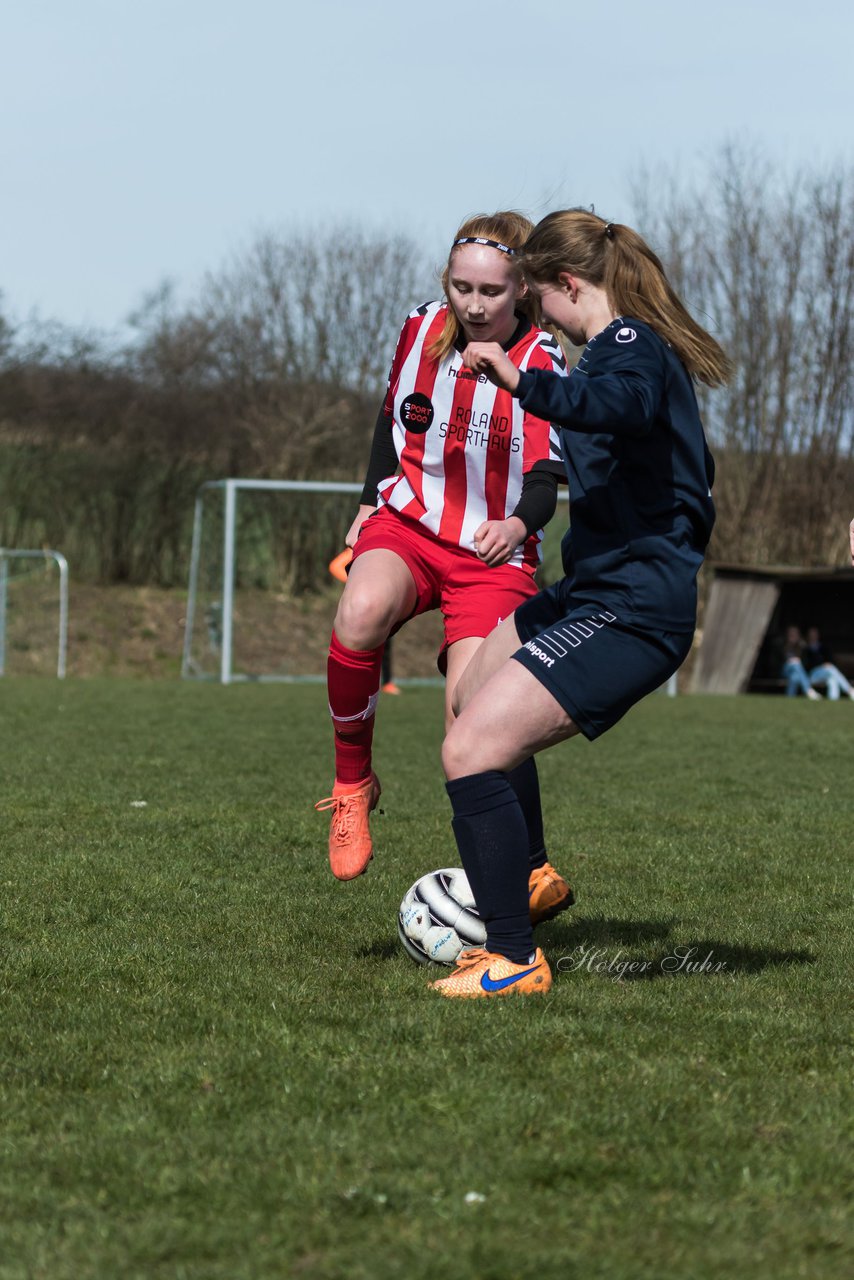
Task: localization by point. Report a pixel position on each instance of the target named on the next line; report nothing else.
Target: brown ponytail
(615, 258)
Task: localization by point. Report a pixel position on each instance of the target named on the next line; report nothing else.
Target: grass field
(218, 1062)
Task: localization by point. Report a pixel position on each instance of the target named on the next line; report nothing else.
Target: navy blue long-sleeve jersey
(640, 475)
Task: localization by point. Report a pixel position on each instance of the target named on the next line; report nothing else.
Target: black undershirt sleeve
(383, 459)
(538, 500)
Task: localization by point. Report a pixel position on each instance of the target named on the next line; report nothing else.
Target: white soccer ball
(438, 918)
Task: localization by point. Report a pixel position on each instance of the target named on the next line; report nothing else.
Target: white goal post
(8, 554)
(230, 489)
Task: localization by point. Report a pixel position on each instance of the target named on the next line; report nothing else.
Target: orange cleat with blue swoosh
(484, 974)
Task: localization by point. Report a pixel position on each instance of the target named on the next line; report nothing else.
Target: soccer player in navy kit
(579, 655)
(460, 482)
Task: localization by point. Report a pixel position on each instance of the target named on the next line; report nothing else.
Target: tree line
(276, 369)
(768, 263)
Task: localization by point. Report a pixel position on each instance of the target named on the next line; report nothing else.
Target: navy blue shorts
(595, 666)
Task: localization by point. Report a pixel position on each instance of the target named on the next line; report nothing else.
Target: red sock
(353, 683)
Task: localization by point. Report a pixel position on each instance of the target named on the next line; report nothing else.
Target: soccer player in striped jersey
(622, 620)
(460, 483)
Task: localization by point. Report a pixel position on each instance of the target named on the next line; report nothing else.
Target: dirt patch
(139, 631)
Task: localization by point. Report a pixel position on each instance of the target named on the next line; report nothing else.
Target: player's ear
(569, 284)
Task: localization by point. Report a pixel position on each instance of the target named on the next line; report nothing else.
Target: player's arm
(381, 463)
(851, 539)
(491, 358)
(618, 392)
(496, 540)
(621, 397)
(622, 403)
(383, 459)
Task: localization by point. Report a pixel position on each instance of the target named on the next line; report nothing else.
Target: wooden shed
(746, 615)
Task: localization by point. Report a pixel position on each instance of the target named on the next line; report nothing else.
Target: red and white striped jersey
(463, 443)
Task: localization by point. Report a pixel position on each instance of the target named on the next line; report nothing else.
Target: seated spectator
(817, 661)
(794, 672)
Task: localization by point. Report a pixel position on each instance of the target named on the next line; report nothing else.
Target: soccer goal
(258, 545)
(33, 610)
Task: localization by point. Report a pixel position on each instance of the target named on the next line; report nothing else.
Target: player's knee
(363, 620)
(456, 757)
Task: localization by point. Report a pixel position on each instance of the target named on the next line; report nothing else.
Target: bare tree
(303, 331)
(769, 264)
(276, 369)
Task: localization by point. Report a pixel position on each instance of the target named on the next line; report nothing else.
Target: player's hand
(851, 539)
(491, 359)
(353, 531)
(496, 540)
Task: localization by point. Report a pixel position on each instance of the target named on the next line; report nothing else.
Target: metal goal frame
(230, 490)
(12, 553)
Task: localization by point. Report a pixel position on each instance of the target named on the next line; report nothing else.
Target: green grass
(217, 1061)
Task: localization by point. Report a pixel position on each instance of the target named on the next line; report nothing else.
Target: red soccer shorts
(472, 596)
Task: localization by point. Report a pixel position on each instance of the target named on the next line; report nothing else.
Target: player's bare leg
(509, 717)
(491, 654)
(380, 592)
(459, 657)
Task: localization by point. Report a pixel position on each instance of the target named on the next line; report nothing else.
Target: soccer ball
(438, 918)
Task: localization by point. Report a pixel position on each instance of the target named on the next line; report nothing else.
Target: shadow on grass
(380, 949)
(615, 949)
(711, 956)
(597, 931)
(619, 949)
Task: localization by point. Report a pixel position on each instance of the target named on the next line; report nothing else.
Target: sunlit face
(558, 308)
(483, 289)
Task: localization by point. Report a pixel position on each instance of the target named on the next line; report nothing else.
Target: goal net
(261, 601)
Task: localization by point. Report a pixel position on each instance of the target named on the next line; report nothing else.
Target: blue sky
(148, 141)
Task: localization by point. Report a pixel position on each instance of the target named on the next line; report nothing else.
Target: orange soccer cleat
(548, 893)
(350, 846)
(482, 973)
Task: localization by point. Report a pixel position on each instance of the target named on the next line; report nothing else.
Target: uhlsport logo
(559, 640)
(416, 413)
(626, 335)
(538, 653)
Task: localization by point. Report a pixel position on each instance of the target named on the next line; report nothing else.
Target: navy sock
(525, 782)
(493, 842)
